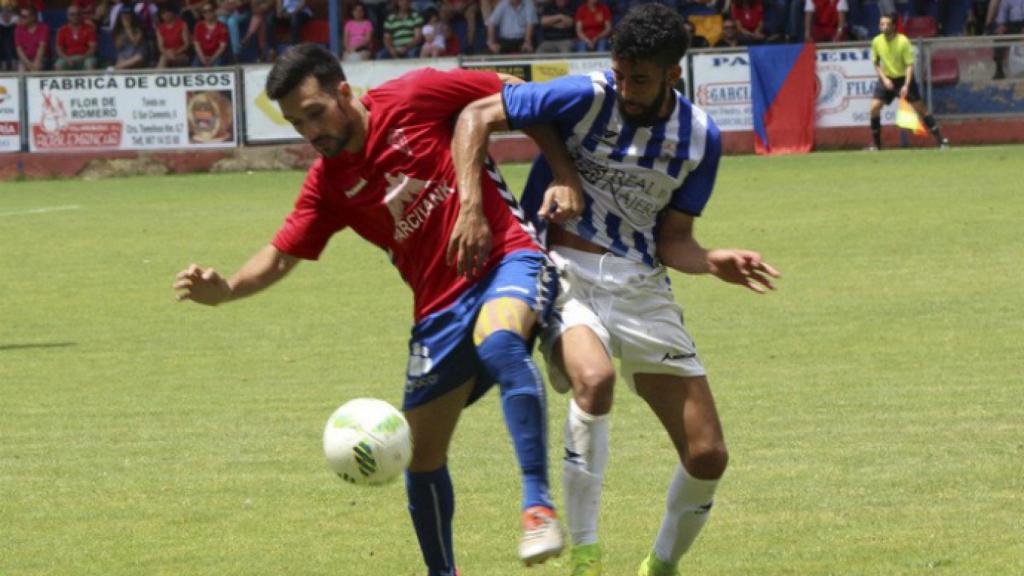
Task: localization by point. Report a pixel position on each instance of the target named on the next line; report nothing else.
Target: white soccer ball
(367, 442)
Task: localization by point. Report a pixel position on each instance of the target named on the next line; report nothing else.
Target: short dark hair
(651, 32)
(297, 63)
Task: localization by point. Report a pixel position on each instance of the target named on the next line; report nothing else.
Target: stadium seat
(921, 27)
(945, 69)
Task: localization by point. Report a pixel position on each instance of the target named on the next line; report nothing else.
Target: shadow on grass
(6, 347)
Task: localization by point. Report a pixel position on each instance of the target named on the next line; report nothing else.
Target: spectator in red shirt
(172, 40)
(31, 39)
(210, 38)
(593, 26)
(76, 43)
(749, 18)
(824, 20)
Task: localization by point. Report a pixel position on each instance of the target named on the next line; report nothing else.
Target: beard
(330, 146)
(648, 115)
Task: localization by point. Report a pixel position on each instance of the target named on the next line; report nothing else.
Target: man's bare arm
(678, 249)
(207, 286)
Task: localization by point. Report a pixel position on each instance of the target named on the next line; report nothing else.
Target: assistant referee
(893, 57)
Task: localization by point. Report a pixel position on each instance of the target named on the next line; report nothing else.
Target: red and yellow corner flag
(907, 118)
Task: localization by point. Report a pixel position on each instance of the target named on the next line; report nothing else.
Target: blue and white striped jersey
(630, 173)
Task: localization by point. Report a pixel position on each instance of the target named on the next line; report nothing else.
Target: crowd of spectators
(123, 34)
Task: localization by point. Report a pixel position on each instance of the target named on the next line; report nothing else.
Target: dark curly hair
(297, 63)
(651, 32)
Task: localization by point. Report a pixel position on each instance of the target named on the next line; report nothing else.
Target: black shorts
(888, 96)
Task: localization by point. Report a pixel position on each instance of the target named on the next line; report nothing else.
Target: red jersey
(209, 37)
(399, 191)
(593, 20)
(74, 42)
(171, 33)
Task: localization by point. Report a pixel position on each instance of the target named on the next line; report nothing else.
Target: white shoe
(542, 535)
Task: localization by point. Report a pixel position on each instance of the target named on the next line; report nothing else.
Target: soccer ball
(367, 442)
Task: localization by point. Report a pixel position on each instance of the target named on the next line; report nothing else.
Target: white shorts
(630, 307)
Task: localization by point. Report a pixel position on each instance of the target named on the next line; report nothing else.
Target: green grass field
(873, 405)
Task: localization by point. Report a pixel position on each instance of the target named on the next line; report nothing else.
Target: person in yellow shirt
(893, 57)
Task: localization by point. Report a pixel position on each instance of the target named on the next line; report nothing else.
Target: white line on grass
(42, 210)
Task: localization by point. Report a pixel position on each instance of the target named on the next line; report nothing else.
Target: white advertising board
(846, 80)
(10, 115)
(186, 109)
(263, 119)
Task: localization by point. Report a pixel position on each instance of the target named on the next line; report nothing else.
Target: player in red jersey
(480, 282)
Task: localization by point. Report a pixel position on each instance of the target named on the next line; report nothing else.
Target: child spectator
(130, 42)
(435, 36)
(210, 38)
(76, 43)
(593, 26)
(358, 35)
(31, 40)
(172, 40)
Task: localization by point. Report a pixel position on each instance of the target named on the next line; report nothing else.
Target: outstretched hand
(562, 202)
(203, 286)
(743, 267)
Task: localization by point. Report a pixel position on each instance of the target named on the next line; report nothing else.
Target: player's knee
(592, 389)
(707, 461)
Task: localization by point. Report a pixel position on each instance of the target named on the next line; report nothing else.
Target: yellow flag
(907, 118)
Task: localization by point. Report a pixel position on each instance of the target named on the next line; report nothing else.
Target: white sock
(686, 511)
(586, 456)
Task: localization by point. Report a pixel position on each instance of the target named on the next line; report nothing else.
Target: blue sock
(508, 360)
(432, 505)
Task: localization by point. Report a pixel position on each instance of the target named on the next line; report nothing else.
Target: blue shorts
(442, 355)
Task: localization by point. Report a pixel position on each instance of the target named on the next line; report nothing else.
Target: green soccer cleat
(586, 560)
(651, 566)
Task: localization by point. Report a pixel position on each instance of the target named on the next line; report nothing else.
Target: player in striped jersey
(647, 159)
